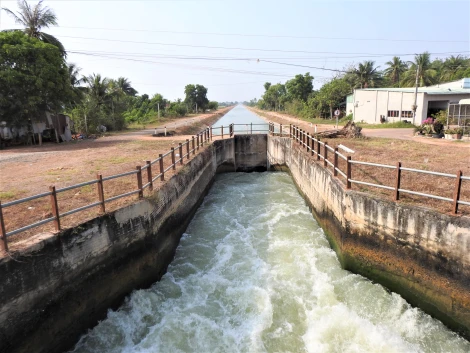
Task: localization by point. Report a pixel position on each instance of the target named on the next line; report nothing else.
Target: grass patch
(7, 195)
(395, 125)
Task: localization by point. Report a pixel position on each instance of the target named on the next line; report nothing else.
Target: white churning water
(255, 273)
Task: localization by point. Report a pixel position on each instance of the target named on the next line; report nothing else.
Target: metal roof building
(373, 105)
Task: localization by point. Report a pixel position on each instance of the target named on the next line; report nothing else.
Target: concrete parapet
(419, 253)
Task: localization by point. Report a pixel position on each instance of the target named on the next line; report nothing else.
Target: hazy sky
(162, 45)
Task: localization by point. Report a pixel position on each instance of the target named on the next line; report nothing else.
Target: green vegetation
(33, 70)
(396, 125)
(297, 96)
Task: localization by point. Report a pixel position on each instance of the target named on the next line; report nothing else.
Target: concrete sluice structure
(55, 290)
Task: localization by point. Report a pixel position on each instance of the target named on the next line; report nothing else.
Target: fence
(316, 147)
(178, 156)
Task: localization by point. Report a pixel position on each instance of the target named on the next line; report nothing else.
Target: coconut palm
(34, 19)
(123, 85)
(395, 69)
(98, 88)
(366, 75)
(452, 66)
(427, 74)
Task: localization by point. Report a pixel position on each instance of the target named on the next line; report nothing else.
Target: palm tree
(34, 19)
(427, 75)
(98, 88)
(395, 69)
(452, 66)
(366, 75)
(124, 86)
(75, 82)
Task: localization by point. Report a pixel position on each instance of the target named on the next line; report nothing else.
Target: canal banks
(416, 252)
(62, 284)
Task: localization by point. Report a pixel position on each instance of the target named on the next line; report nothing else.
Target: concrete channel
(55, 290)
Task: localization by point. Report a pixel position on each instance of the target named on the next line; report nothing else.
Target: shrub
(437, 126)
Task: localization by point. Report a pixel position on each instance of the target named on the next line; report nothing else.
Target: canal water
(255, 273)
(242, 118)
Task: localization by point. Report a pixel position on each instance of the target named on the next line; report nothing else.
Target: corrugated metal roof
(427, 90)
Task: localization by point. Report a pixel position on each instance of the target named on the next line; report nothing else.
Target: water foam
(254, 273)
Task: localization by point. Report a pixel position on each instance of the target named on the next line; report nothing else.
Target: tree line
(36, 78)
(298, 97)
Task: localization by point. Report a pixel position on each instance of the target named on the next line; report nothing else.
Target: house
(373, 105)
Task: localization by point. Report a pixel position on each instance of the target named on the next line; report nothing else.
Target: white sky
(339, 33)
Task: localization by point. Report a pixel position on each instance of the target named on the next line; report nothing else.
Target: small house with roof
(374, 105)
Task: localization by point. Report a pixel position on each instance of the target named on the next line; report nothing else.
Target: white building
(396, 104)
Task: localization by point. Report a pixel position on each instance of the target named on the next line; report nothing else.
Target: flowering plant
(428, 121)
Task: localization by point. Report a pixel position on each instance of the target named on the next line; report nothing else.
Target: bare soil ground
(26, 171)
(399, 145)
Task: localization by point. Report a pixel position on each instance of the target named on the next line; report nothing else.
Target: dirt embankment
(30, 170)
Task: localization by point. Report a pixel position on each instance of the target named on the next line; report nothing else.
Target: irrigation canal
(254, 273)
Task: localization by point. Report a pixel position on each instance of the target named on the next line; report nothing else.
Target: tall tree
(34, 19)
(427, 75)
(396, 67)
(366, 75)
(452, 66)
(300, 87)
(34, 78)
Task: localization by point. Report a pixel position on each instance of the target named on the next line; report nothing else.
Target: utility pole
(158, 106)
(415, 107)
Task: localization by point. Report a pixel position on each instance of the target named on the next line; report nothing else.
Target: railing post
(222, 131)
(202, 138)
(348, 173)
(397, 182)
(318, 150)
(100, 188)
(458, 185)
(335, 163)
(197, 136)
(312, 145)
(325, 157)
(187, 147)
(173, 159)
(211, 132)
(149, 175)
(290, 130)
(280, 129)
(181, 153)
(193, 146)
(307, 142)
(162, 169)
(3, 232)
(139, 181)
(55, 208)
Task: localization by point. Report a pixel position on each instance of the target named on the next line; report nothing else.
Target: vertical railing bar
(397, 182)
(187, 147)
(162, 170)
(458, 185)
(3, 232)
(335, 163)
(173, 159)
(325, 158)
(181, 153)
(100, 189)
(139, 181)
(348, 173)
(193, 146)
(55, 208)
(149, 175)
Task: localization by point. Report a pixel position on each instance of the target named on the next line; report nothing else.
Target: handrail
(204, 138)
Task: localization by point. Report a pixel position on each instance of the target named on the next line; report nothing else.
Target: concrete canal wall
(57, 288)
(421, 254)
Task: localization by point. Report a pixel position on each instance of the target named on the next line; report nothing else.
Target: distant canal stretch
(254, 273)
(242, 118)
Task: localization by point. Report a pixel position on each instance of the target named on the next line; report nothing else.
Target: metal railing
(315, 147)
(178, 155)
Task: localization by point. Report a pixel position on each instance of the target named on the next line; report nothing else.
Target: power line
(240, 48)
(304, 66)
(270, 35)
